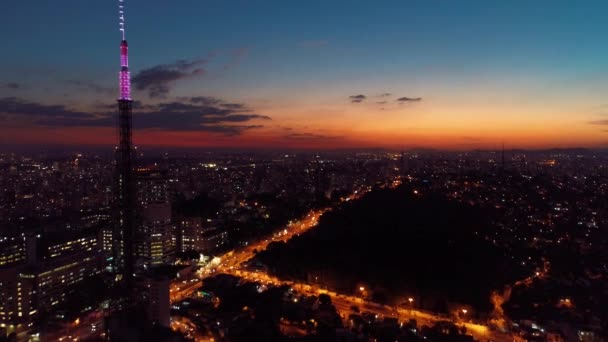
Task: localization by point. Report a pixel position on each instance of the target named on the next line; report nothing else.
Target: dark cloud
(159, 79)
(208, 100)
(409, 99)
(357, 98)
(188, 114)
(12, 85)
(99, 89)
(381, 102)
(16, 106)
(137, 105)
(200, 114)
(234, 105)
(312, 136)
(599, 122)
(385, 95)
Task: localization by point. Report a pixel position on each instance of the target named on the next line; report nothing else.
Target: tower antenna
(121, 17)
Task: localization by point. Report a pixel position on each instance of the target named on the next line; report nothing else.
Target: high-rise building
(152, 186)
(52, 265)
(154, 242)
(194, 234)
(190, 235)
(158, 300)
(12, 250)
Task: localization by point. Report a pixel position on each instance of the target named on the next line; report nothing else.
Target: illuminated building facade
(155, 230)
(54, 278)
(190, 235)
(47, 273)
(152, 186)
(194, 234)
(12, 250)
(214, 239)
(154, 242)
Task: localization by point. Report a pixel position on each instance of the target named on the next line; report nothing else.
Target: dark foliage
(401, 243)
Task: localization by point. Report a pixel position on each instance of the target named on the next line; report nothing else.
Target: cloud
(385, 95)
(188, 114)
(12, 85)
(200, 114)
(159, 79)
(381, 102)
(137, 105)
(599, 122)
(202, 100)
(311, 136)
(409, 99)
(14, 105)
(99, 89)
(357, 98)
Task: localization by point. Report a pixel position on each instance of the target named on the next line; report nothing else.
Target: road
(344, 304)
(91, 325)
(86, 327)
(233, 260)
(232, 263)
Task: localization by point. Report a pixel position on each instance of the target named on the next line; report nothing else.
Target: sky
(308, 74)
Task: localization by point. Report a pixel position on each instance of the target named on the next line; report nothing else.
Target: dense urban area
(301, 246)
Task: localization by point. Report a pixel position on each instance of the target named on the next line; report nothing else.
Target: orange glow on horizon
(455, 138)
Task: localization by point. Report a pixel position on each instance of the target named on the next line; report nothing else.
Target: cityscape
(210, 202)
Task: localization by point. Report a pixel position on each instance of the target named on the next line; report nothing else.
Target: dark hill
(400, 244)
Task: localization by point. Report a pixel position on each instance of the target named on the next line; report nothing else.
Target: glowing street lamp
(464, 313)
(411, 301)
(363, 291)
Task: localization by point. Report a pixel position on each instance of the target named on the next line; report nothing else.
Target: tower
(503, 157)
(122, 242)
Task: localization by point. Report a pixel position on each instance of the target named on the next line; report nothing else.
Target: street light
(464, 313)
(363, 291)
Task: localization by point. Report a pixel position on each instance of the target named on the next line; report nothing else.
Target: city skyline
(311, 171)
(323, 76)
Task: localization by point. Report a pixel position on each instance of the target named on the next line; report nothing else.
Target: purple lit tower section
(124, 228)
(125, 76)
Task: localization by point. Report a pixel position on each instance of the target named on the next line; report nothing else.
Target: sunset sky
(309, 74)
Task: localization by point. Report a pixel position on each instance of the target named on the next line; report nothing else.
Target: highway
(344, 304)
